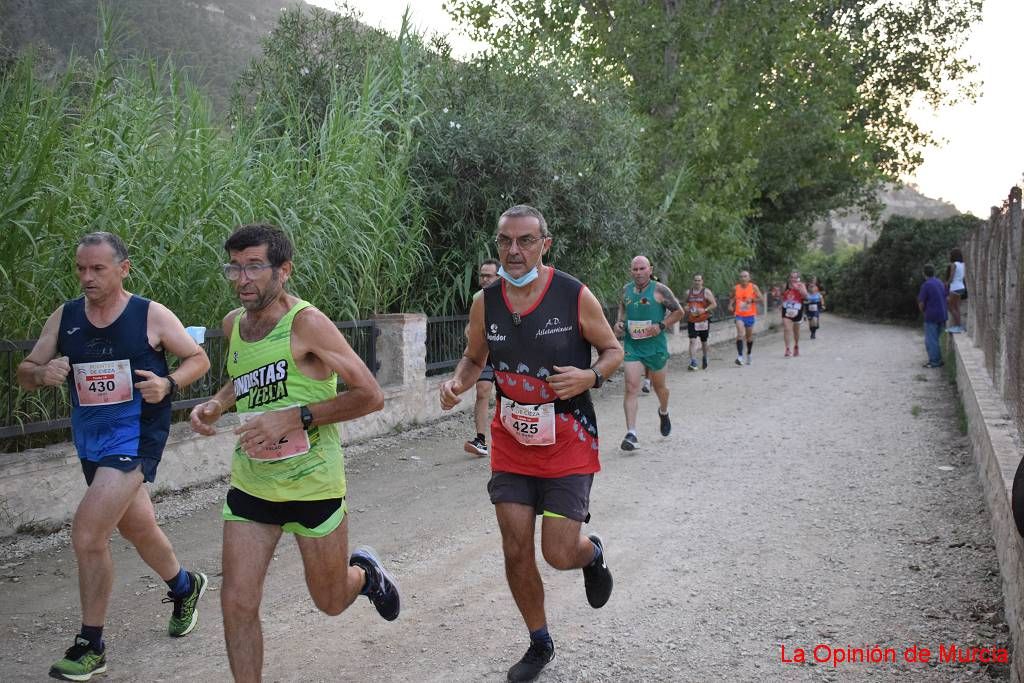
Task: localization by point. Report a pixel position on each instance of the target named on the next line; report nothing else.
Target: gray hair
(523, 211)
(113, 241)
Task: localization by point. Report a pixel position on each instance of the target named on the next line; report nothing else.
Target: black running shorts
(559, 497)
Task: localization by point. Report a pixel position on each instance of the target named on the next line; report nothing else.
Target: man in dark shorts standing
(538, 326)
(487, 274)
(287, 469)
(109, 347)
(699, 304)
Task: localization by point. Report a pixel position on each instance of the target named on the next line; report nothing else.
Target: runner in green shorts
(641, 322)
(287, 469)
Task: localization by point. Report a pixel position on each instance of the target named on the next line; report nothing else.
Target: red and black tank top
(523, 351)
(696, 305)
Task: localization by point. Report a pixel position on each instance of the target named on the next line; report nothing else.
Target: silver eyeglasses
(252, 270)
(504, 242)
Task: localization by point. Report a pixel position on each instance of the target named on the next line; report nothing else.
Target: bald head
(640, 269)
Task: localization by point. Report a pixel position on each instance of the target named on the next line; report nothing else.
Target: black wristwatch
(307, 417)
(598, 378)
(661, 325)
(172, 392)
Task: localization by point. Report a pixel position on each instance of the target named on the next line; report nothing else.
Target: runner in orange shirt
(743, 304)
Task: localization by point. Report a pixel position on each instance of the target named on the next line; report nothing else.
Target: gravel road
(823, 501)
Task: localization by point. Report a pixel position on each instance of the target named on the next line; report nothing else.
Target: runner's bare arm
(473, 358)
(205, 415)
(620, 318)
(317, 335)
(758, 301)
(41, 367)
(168, 333)
(666, 298)
(569, 381)
(712, 301)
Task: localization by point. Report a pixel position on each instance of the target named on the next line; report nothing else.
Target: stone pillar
(402, 349)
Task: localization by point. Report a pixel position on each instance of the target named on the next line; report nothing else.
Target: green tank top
(266, 377)
(643, 309)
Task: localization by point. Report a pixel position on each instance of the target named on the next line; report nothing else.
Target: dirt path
(827, 499)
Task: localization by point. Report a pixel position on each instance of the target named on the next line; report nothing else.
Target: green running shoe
(80, 662)
(185, 614)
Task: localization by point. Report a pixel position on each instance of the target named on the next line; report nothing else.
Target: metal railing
(993, 260)
(446, 340)
(48, 410)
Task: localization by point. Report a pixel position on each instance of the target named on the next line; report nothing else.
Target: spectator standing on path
(109, 346)
(646, 309)
(956, 288)
(539, 325)
(743, 305)
(287, 469)
(931, 301)
(487, 274)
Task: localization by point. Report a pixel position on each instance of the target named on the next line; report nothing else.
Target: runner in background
(743, 304)
(814, 304)
(487, 274)
(700, 302)
(793, 297)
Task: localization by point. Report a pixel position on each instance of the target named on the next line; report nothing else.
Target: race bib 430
(103, 383)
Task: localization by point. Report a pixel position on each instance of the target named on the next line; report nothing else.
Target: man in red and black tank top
(793, 312)
(539, 326)
(699, 304)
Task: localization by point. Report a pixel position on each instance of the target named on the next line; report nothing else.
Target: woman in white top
(956, 288)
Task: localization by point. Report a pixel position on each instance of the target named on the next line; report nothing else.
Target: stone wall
(996, 445)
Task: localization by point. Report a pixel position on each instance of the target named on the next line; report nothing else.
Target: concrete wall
(41, 487)
(996, 445)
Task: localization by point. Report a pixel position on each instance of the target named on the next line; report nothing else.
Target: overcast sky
(983, 152)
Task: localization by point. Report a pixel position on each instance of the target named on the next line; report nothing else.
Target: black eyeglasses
(525, 242)
(251, 270)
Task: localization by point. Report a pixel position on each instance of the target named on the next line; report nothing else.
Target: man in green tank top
(646, 309)
(287, 469)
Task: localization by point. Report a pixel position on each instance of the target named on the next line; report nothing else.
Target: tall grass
(132, 147)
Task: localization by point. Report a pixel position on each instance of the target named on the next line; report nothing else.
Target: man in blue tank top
(108, 346)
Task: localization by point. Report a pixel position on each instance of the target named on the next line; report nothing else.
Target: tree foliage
(762, 116)
(487, 135)
(882, 281)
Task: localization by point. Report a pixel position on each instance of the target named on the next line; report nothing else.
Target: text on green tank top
(266, 377)
(642, 306)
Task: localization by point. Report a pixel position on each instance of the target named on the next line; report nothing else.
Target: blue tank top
(108, 415)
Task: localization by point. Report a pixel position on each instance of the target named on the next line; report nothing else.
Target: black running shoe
(532, 663)
(666, 424)
(476, 447)
(383, 591)
(629, 443)
(597, 579)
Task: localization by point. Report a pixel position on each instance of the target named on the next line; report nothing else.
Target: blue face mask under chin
(522, 280)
